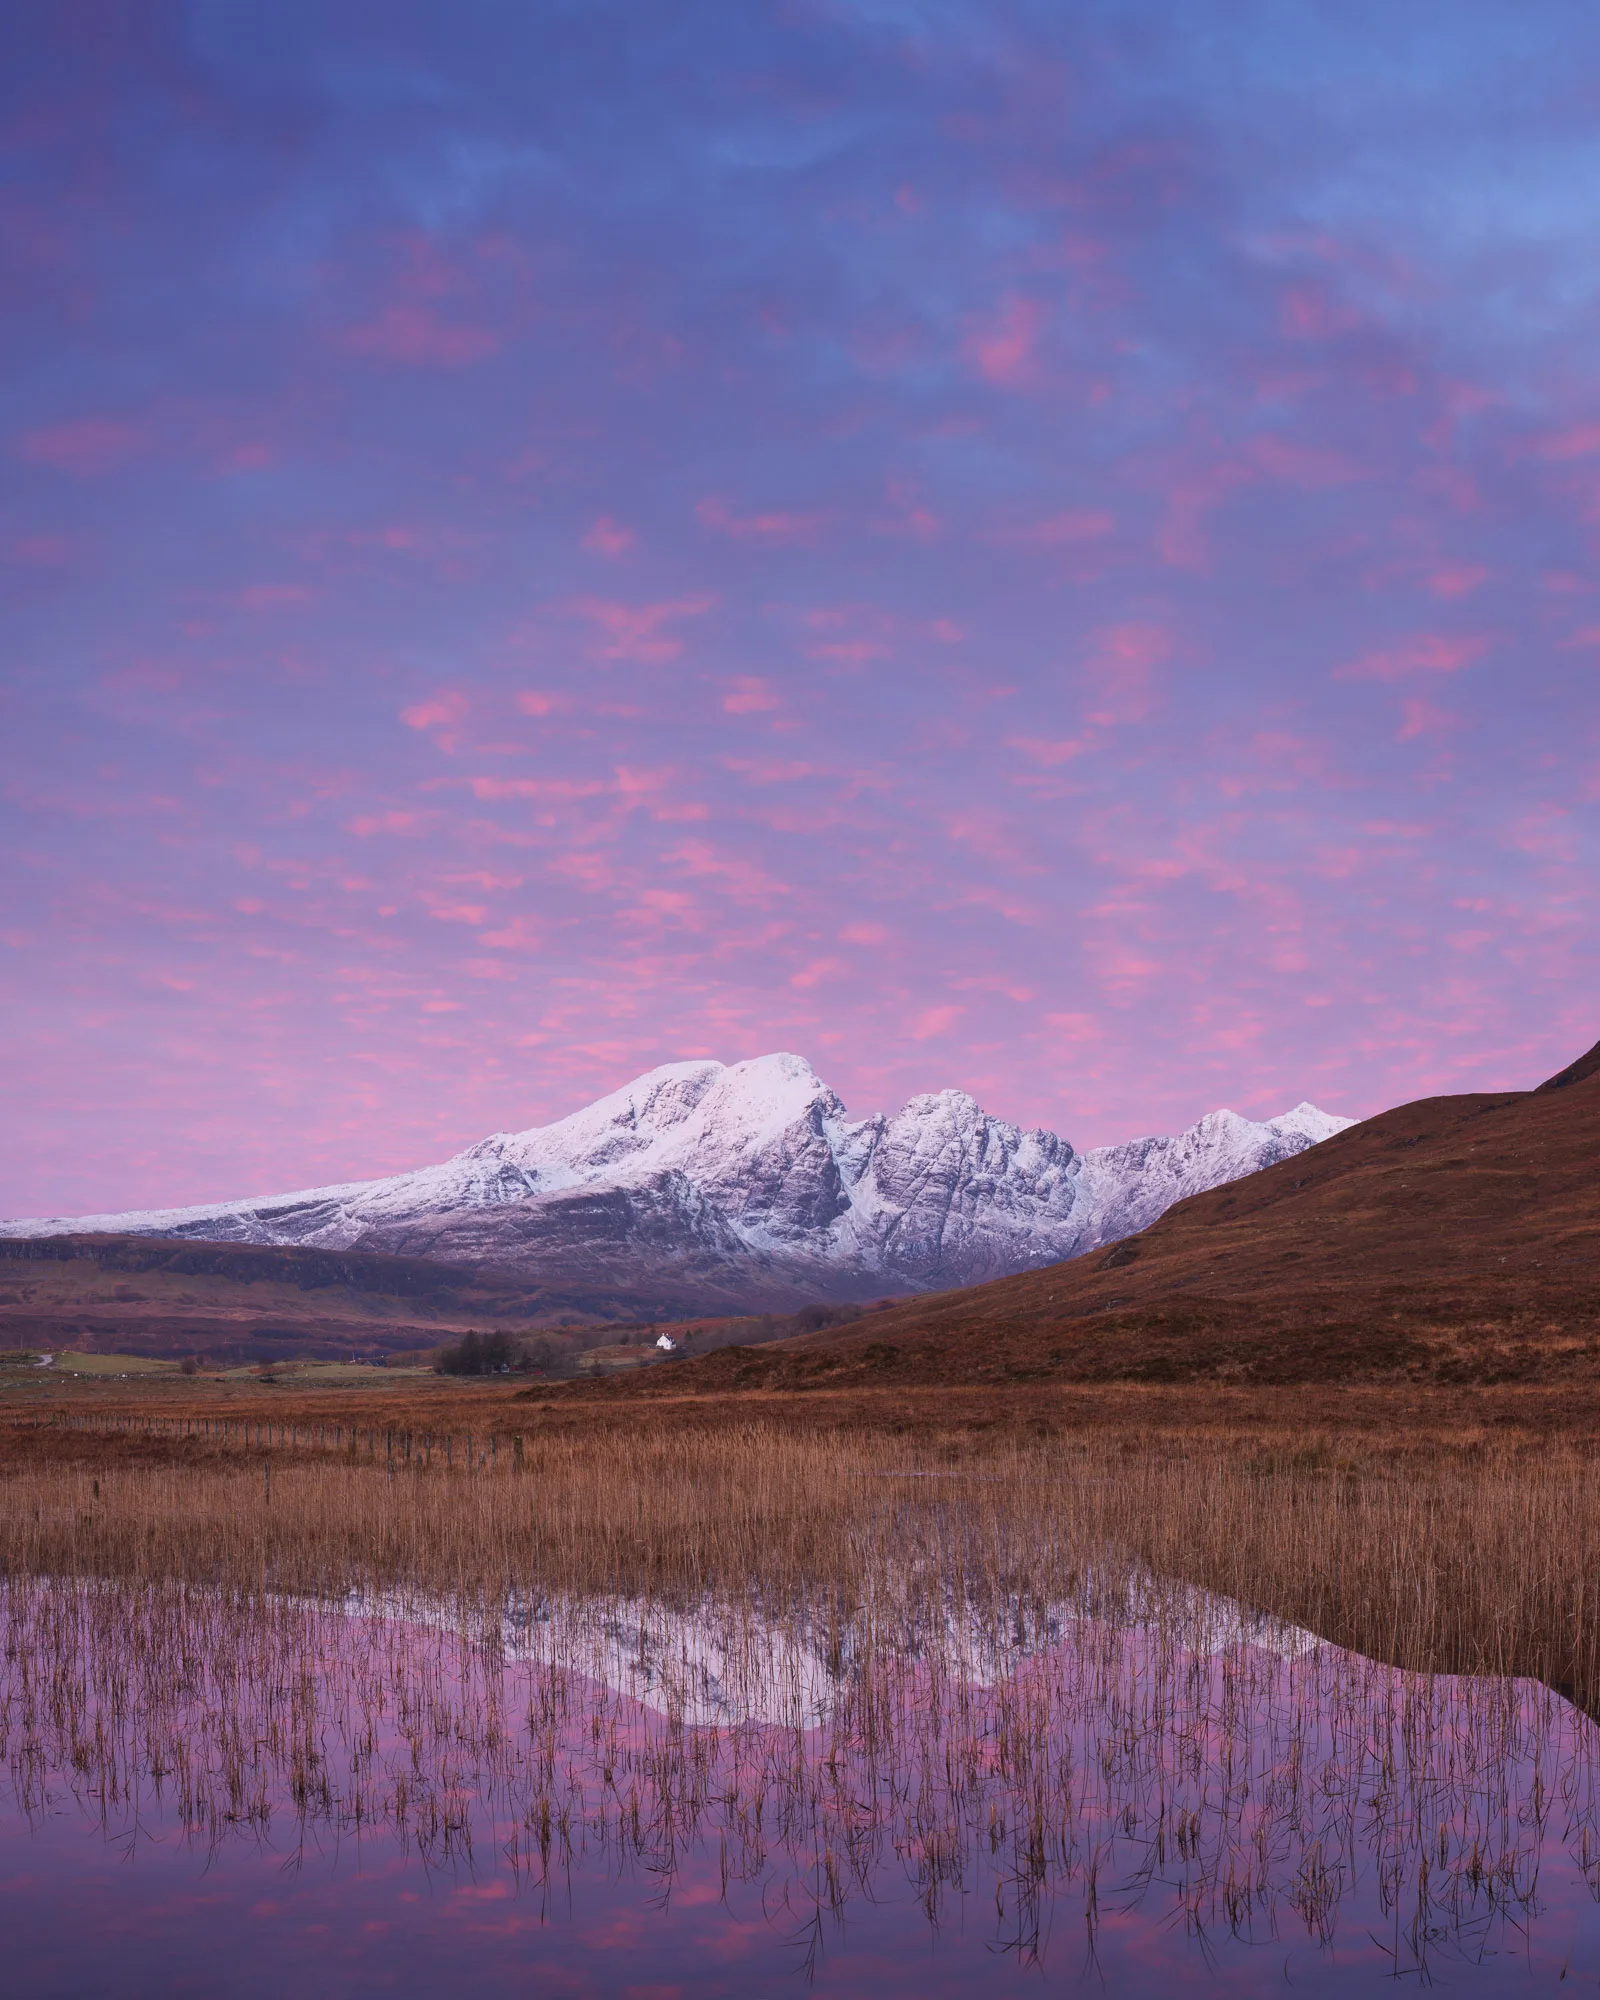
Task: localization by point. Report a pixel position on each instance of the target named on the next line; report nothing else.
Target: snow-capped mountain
(749, 1185)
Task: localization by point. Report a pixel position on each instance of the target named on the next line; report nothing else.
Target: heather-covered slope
(1456, 1239)
(704, 1188)
(237, 1301)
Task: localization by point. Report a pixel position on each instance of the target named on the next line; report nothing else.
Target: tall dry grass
(1487, 1567)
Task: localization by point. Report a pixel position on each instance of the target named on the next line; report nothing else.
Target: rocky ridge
(750, 1182)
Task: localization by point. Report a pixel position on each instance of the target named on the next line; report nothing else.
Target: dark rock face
(751, 1186)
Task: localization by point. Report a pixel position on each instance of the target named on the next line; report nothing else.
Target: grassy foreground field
(1359, 1422)
(1456, 1530)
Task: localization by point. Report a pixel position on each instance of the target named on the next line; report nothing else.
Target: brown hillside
(1454, 1240)
(240, 1301)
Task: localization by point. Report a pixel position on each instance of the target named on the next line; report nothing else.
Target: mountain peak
(719, 1184)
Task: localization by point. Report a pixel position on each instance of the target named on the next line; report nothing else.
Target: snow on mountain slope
(749, 1183)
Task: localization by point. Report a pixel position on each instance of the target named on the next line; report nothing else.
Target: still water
(1144, 1791)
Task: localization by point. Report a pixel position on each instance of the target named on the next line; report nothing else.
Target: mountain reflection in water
(215, 1793)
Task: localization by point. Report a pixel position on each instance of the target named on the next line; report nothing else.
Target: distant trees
(480, 1354)
(505, 1354)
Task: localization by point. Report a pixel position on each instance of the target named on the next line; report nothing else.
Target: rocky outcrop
(751, 1182)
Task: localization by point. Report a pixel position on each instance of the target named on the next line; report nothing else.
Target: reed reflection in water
(1141, 1777)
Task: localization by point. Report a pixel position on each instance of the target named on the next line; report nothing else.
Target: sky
(1044, 550)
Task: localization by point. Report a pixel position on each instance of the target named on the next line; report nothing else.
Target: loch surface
(205, 1795)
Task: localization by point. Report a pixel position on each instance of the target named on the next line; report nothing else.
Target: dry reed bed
(1489, 1566)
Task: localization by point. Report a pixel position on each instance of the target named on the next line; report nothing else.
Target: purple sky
(1043, 548)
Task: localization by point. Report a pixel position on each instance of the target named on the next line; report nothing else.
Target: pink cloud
(430, 319)
(393, 822)
(738, 874)
(40, 551)
(1294, 464)
(1547, 834)
(749, 696)
(479, 878)
(521, 934)
(447, 550)
(817, 971)
(769, 770)
(608, 537)
(558, 791)
(536, 701)
(912, 519)
(1456, 580)
(1122, 969)
(993, 836)
(654, 906)
(1003, 351)
(442, 712)
(714, 513)
(850, 652)
(1194, 493)
(635, 785)
(640, 632)
(1577, 441)
(415, 337)
(586, 870)
(1074, 1030)
(1119, 672)
(88, 446)
(934, 1021)
(1421, 718)
(1307, 313)
(862, 634)
(1428, 653)
(272, 596)
(1040, 750)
